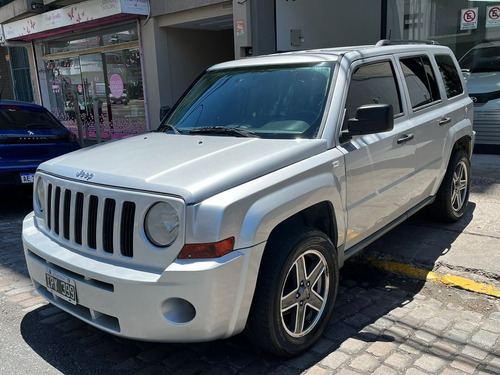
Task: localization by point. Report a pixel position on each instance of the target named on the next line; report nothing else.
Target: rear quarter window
(450, 75)
(20, 118)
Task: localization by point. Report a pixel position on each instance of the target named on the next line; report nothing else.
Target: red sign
(470, 16)
(494, 13)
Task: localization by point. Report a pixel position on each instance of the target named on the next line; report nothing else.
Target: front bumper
(190, 301)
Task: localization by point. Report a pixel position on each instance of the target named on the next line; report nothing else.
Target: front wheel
(453, 195)
(295, 293)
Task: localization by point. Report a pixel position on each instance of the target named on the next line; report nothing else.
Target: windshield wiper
(224, 130)
(164, 127)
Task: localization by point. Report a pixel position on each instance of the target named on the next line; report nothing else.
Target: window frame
(433, 65)
(356, 65)
(458, 71)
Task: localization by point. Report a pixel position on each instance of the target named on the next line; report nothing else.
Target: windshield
(481, 60)
(13, 117)
(268, 102)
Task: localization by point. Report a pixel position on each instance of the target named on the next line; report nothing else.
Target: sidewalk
(469, 248)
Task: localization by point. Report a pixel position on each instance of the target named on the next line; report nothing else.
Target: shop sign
(116, 86)
(493, 16)
(74, 16)
(469, 19)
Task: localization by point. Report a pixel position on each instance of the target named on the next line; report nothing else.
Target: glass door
(95, 83)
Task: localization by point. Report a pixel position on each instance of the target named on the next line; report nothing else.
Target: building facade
(106, 67)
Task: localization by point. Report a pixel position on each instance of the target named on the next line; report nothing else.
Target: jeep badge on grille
(85, 175)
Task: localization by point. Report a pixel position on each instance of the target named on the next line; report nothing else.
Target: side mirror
(165, 110)
(371, 119)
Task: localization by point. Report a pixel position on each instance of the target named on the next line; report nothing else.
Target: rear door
(379, 167)
(431, 112)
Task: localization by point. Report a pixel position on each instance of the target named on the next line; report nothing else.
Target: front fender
(250, 212)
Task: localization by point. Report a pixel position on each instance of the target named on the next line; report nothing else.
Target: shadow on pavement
(373, 309)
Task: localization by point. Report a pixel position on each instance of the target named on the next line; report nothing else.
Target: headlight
(39, 195)
(161, 224)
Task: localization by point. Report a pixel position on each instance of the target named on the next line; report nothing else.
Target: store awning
(74, 17)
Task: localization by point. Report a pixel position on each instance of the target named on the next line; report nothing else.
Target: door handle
(405, 138)
(444, 121)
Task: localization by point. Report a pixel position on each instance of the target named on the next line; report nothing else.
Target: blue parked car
(29, 135)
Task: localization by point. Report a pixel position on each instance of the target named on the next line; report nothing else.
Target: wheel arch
(320, 216)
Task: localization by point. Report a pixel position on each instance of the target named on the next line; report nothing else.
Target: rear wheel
(295, 293)
(453, 195)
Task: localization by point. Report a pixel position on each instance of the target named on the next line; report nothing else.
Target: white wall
(328, 23)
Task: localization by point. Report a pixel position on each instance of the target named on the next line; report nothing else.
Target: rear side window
(421, 81)
(373, 84)
(13, 117)
(449, 73)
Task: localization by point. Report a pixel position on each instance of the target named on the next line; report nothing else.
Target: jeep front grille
(66, 213)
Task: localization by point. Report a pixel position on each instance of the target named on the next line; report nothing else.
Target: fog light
(178, 311)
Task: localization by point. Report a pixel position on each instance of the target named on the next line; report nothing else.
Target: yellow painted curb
(421, 274)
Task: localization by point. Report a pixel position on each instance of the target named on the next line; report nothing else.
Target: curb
(422, 274)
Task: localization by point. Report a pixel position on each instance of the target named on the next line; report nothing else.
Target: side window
(420, 80)
(449, 73)
(373, 84)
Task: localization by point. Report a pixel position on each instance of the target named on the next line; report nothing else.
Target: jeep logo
(85, 175)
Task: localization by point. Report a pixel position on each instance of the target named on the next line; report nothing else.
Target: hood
(192, 167)
(480, 83)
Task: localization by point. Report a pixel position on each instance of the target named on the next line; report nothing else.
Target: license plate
(61, 286)
(27, 178)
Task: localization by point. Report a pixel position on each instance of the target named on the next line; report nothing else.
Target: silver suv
(238, 211)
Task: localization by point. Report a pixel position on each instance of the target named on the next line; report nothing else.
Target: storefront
(87, 59)
(96, 75)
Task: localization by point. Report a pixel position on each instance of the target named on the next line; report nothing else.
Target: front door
(379, 167)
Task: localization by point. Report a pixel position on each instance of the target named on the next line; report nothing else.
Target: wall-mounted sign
(468, 19)
(493, 16)
(73, 17)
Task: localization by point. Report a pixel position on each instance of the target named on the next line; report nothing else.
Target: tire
(452, 197)
(295, 293)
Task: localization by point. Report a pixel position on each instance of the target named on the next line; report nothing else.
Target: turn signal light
(207, 250)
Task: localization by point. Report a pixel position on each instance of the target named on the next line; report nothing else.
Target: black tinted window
(449, 73)
(420, 80)
(482, 60)
(373, 84)
(272, 102)
(14, 117)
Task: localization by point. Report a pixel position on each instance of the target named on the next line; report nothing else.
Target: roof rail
(389, 42)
